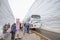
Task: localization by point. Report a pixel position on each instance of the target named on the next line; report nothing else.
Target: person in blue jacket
(27, 25)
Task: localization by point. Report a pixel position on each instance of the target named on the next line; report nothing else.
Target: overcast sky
(20, 7)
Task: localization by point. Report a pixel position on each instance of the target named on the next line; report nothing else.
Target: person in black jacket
(14, 28)
(5, 28)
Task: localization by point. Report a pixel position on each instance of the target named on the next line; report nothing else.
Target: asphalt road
(51, 35)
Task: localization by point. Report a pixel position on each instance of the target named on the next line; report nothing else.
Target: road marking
(41, 35)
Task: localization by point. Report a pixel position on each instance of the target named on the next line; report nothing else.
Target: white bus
(35, 21)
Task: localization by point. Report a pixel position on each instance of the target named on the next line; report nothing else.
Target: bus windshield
(35, 16)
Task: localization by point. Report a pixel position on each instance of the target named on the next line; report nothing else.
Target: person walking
(5, 28)
(18, 29)
(15, 29)
(24, 28)
(27, 25)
